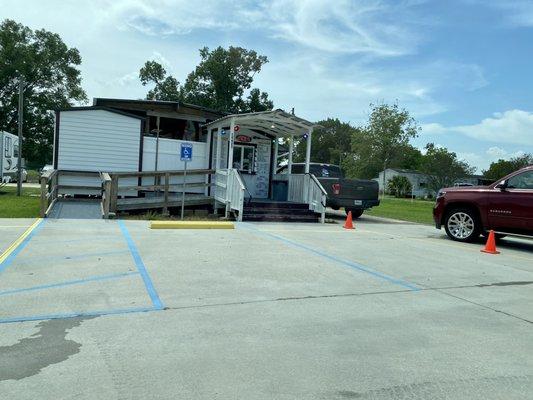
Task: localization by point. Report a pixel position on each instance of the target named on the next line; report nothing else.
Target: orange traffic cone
(490, 247)
(349, 224)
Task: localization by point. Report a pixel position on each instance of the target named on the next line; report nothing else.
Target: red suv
(505, 206)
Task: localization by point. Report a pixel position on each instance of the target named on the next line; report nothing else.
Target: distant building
(419, 180)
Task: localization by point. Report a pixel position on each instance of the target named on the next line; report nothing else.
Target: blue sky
(463, 68)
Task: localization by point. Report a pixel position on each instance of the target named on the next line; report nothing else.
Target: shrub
(399, 186)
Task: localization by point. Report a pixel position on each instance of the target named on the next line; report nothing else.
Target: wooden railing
(230, 190)
(49, 190)
(52, 187)
(112, 189)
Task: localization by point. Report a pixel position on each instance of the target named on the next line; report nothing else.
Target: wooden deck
(173, 200)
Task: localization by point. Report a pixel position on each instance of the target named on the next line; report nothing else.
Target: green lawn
(404, 209)
(26, 206)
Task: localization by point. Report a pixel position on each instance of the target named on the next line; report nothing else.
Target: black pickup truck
(355, 195)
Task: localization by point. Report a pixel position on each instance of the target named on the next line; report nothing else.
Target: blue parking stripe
(331, 257)
(67, 283)
(77, 314)
(141, 267)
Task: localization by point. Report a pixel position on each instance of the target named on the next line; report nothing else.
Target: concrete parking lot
(93, 309)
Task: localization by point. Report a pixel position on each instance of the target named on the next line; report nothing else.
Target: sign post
(185, 156)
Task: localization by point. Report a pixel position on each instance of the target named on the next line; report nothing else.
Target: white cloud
(512, 126)
(371, 27)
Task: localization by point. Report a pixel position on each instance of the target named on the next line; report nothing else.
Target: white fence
(169, 160)
(229, 190)
(305, 188)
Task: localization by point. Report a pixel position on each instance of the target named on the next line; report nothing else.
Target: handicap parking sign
(186, 152)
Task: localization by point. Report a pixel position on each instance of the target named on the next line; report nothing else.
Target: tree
(166, 88)
(222, 78)
(399, 186)
(255, 102)
(501, 168)
(330, 142)
(382, 141)
(53, 81)
(443, 168)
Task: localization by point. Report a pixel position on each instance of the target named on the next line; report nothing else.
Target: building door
(512, 208)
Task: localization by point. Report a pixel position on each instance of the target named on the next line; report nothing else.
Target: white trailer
(99, 139)
(9, 153)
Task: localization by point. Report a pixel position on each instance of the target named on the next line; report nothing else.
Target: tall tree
(166, 87)
(49, 68)
(222, 78)
(443, 168)
(330, 142)
(501, 168)
(382, 141)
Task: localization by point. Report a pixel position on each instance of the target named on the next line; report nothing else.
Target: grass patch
(25, 206)
(404, 209)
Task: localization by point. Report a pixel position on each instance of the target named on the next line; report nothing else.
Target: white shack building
(136, 144)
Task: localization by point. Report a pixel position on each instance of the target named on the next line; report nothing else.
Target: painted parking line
(77, 314)
(7, 257)
(158, 304)
(67, 283)
(79, 256)
(344, 262)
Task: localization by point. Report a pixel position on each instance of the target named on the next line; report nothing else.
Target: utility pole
(20, 124)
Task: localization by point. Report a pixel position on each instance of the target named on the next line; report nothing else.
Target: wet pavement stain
(46, 347)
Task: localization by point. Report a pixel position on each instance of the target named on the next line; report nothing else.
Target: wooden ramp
(76, 209)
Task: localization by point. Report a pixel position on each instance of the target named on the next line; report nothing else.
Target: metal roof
(175, 104)
(89, 108)
(275, 122)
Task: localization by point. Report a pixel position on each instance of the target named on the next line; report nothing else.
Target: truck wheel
(356, 212)
(462, 225)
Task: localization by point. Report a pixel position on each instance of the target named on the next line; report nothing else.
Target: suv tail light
(336, 188)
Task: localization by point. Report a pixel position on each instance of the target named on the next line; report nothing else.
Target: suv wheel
(462, 225)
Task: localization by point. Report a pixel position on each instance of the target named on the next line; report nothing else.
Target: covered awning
(273, 124)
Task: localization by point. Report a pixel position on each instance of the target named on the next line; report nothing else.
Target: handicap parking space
(63, 269)
(267, 310)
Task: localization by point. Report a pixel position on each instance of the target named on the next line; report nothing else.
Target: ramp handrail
(305, 188)
(229, 190)
(49, 191)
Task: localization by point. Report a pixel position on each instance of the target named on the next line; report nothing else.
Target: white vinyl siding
(97, 141)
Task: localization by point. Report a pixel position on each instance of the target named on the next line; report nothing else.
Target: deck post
(308, 150)
(44, 192)
(106, 183)
(114, 194)
(276, 151)
(291, 149)
(165, 201)
(231, 143)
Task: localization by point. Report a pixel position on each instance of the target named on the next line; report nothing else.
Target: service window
(244, 158)
(16, 150)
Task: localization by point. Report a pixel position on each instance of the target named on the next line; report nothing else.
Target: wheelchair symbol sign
(186, 152)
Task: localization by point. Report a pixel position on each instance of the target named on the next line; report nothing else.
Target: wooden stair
(278, 211)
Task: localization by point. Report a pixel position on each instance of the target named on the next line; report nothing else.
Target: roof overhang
(277, 123)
